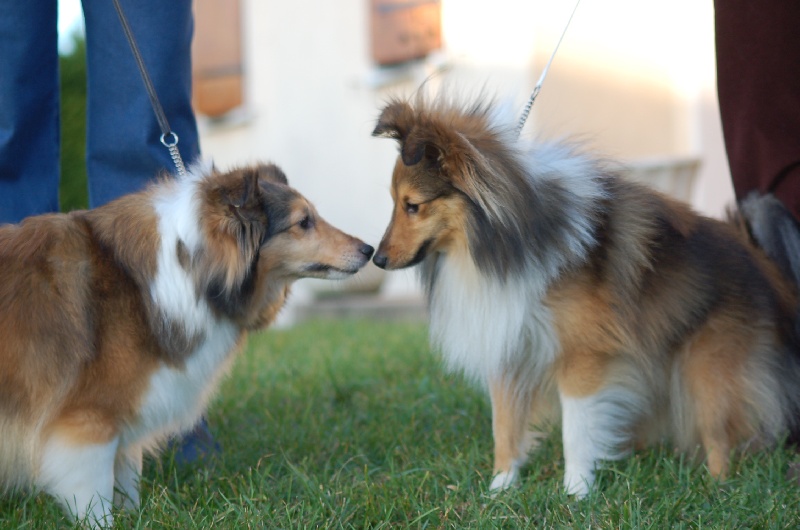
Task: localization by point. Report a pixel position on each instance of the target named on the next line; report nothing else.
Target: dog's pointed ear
(251, 192)
(243, 197)
(396, 121)
(418, 144)
(248, 207)
(241, 194)
(272, 173)
(441, 146)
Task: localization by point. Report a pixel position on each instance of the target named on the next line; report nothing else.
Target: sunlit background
(70, 22)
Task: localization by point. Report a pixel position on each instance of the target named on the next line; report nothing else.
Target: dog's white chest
(176, 396)
(483, 326)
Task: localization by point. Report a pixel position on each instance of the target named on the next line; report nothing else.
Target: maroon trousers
(758, 81)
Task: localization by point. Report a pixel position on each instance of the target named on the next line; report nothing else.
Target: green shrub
(73, 193)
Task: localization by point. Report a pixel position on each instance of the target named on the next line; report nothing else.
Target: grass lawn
(353, 424)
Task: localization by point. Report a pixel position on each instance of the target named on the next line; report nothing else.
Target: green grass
(354, 425)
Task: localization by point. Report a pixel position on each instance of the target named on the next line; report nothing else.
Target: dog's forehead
(301, 206)
(416, 181)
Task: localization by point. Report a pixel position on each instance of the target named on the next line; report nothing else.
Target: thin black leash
(168, 137)
(538, 87)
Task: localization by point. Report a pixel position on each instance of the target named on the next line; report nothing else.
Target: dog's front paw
(578, 483)
(504, 480)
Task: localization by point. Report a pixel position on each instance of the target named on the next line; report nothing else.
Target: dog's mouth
(421, 253)
(323, 270)
(381, 260)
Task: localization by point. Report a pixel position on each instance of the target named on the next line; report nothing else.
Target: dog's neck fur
(552, 229)
(197, 342)
(549, 226)
(174, 288)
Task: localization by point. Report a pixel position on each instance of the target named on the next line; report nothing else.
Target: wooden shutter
(217, 56)
(404, 29)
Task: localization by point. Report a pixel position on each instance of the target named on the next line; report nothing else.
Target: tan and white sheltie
(566, 290)
(118, 322)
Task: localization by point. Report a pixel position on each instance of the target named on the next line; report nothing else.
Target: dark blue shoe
(195, 446)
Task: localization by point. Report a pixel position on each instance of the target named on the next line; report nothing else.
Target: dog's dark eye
(412, 208)
(305, 223)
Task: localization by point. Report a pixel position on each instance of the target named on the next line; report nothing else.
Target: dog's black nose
(380, 260)
(367, 250)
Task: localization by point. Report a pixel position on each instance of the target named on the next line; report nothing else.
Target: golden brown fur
(552, 279)
(118, 322)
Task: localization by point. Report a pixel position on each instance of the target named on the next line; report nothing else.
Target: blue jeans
(123, 147)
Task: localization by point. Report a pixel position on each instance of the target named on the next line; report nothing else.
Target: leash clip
(173, 152)
(151, 93)
(169, 144)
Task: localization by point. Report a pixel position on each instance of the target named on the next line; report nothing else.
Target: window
(217, 80)
(403, 30)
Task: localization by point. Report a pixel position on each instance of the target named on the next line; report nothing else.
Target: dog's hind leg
(80, 475)
(510, 413)
(127, 473)
(712, 414)
(715, 370)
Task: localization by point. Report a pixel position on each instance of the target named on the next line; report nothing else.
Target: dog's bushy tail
(776, 231)
(772, 227)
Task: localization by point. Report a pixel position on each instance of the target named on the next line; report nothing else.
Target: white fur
(594, 428)
(80, 477)
(127, 472)
(173, 289)
(563, 162)
(580, 174)
(177, 395)
(483, 326)
(505, 479)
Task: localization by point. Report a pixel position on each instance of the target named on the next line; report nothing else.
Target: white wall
(310, 111)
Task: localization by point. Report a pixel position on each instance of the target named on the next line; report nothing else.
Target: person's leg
(758, 52)
(124, 152)
(29, 107)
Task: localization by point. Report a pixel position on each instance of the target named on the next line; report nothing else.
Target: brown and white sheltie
(560, 286)
(118, 322)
